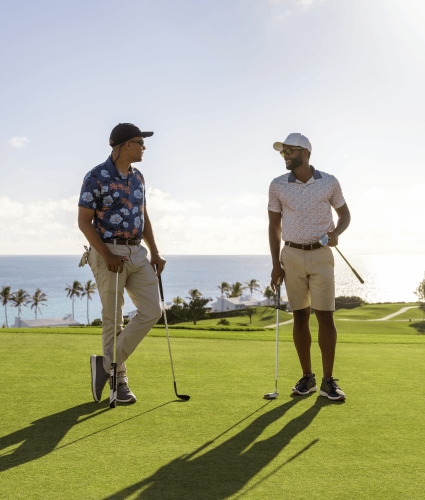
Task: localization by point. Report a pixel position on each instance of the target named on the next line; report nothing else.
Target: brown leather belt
(123, 241)
(308, 246)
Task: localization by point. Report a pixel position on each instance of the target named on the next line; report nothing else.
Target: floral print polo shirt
(118, 201)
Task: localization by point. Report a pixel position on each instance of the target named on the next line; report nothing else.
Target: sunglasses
(289, 151)
(141, 142)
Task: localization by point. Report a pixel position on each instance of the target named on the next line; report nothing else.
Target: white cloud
(18, 142)
(385, 221)
(40, 228)
(379, 224)
(244, 201)
(162, 202)
(209, 235)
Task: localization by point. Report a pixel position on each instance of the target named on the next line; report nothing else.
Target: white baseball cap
(295, 139)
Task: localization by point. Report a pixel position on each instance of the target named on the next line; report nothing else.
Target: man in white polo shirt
(300, 214)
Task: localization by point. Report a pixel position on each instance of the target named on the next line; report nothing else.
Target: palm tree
(236, 289)
(88, 291)
(269, 294)
(19, 299)
(35, 300)
(5, 297)
(178, 301)
(224, 289)
(74, 291)
(252, 285)
(194, 294)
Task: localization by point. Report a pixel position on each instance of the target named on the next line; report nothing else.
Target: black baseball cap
(123, 132)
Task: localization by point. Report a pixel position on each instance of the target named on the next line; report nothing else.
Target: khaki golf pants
(141, 283)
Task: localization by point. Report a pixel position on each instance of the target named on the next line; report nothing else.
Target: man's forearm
(274, 241)
(93, 238)
(342, 223)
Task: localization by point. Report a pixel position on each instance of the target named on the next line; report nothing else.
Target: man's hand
(277, 276)
(115, 263)
(333, 238)
(158, 263)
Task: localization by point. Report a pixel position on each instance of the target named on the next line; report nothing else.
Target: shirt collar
(316, 175)
(113, 171)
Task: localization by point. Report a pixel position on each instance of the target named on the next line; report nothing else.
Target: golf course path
(280, 324)
(401, 311)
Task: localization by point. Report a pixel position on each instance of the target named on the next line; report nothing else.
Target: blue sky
(218, 82)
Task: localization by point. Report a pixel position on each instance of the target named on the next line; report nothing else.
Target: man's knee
(325, 318)
(152, 314)
(302, 315)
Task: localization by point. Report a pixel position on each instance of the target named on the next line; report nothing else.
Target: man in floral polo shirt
(114, 219)
(300, 214)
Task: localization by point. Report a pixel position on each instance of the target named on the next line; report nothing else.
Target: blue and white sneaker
(305, 385)
(330, 389)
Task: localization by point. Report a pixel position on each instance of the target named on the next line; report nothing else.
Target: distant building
(235, 303)
(67, 320)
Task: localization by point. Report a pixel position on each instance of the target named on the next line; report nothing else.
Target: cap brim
(147, 134)
(278, 146)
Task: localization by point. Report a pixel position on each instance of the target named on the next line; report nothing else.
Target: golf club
(183, 397)
(324, 241)
(113, 393)
(275, 394)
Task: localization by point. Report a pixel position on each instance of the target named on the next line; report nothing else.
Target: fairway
(226, 442)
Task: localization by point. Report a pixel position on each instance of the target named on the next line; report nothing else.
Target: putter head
(183, 397)
(271, 395)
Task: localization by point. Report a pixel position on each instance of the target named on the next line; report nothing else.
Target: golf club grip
(277, 303)
(357, 276)
(161, 292)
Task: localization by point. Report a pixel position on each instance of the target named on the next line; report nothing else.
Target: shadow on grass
(419, 327)
(43, 436)
(224, 470)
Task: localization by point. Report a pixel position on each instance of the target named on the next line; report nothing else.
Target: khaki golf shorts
(309, 278)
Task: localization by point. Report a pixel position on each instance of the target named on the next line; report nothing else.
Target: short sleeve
(274, 202)
(90, 193)
(337, 199)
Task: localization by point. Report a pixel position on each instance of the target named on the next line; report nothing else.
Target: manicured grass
(226, 442)
(263, 317)
(414, 314)
(372, 311)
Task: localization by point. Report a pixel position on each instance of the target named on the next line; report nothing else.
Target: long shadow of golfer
(43, 435)
(224, 470)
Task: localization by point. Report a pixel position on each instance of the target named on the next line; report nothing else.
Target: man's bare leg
(302, 338)
(327, 340)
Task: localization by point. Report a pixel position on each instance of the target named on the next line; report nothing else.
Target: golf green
(226, 442)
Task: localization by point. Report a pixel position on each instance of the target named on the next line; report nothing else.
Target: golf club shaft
(277, 336)
(161, 293)
(113, 394)
(351, 267)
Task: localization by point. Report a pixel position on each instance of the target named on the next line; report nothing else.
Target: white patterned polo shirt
(305, 207)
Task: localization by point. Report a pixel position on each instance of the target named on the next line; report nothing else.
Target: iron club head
(271, 395)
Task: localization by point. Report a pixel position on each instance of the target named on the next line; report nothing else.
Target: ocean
(388, 278)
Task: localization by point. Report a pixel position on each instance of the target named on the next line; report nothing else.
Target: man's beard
(296, 162)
